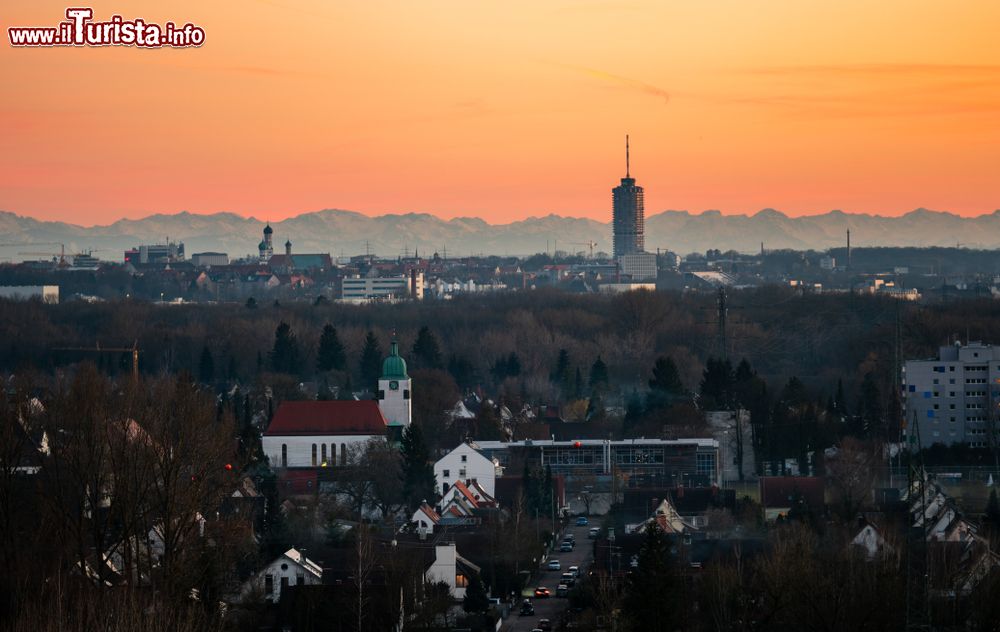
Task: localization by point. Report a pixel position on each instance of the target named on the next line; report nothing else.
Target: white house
(320, 433)
(452, 569)
(292, 568)
(466, 464)
(425, 519)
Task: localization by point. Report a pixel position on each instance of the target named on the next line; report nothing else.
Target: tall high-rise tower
(628, 214)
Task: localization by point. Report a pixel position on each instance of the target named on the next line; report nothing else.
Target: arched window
(333, 454)
(343, 454)
(323, 459)
(284, 455)
(314, 455)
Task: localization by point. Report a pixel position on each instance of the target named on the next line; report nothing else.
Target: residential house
(291, 568)
(465, 464)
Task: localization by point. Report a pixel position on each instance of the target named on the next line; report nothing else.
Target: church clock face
(394, 385)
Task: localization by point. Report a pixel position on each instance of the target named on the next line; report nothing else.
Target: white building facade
(394, 394)
(321, 433)
(465, 464)
(954, 398)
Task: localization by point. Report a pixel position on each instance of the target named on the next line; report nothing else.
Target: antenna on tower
(626, 157)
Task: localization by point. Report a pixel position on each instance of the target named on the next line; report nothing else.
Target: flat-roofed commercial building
(689, 462)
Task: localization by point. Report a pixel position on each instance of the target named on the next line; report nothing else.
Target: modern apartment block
(953, 398)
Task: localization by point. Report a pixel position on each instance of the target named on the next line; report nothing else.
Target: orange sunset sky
(508, 109)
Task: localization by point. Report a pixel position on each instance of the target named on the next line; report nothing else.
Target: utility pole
(917, 567)
(721, 321)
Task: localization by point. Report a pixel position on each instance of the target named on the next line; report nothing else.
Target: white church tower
(394, 389)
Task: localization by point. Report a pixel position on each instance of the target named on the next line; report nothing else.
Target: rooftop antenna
(626, 157)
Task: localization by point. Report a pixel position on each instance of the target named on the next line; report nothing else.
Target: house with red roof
(321, 433)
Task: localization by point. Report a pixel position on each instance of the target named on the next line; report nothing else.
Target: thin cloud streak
(622, 82)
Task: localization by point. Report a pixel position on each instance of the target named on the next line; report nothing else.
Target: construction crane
(61, 254)
(134, 350)
(590, 244)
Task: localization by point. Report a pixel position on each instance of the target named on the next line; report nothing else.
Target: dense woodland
(511, 344)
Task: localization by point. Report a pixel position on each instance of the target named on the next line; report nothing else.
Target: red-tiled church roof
(327, 418)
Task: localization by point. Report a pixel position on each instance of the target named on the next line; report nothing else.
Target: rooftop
(327, 418)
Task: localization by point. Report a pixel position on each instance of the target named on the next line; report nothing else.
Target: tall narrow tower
(628, 213)
(394, 389)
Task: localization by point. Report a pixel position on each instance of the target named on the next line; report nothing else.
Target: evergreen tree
(665, 387)
(513, 365)
(330, 356)
(417, 472)
(284, 356)
(598, 375)
(992, 515)
(839, 401)
(562, 374)
(206, 366)
(476, 599)
(633, 410)
(717, 385)
(371, 361)
(487, 424)
(426, 350)
(869, 406)
(462, 370)
(653, 592)
(578, 384)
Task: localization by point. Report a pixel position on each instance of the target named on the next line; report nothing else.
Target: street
(553, 607)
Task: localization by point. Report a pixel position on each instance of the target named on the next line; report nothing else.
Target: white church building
(327, 433)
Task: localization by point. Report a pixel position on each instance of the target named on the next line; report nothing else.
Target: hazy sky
(508, 109)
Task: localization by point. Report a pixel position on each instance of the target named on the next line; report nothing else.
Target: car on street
(568, 579)
(554, 565)
(594, 532)
(527, 610)
(570, 536)
(582, 521)
(545, 625)
(575, 570)
(542, 593)
(566, 547)
(537, 630)
(562, 590)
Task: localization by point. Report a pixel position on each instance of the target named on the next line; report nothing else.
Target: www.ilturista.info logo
(79, 29)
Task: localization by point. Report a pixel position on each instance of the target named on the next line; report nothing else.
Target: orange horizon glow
(507, 110)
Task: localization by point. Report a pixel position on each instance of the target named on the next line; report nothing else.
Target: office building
(628, 214)
(687, 462)
(393, 288)
(205, 259)
(638, 266)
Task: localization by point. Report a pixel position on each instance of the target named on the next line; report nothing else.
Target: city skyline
(507, 112)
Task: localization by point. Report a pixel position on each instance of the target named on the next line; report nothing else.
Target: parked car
(570, 536)
(568, 579)
(582, 521)
(594, 532)
(545, 625)
(575, 570)
(554, 565)
(562, 590)
(527, 609)
(566, 547)
(542, 592)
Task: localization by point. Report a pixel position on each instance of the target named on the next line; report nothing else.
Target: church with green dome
(394, 389)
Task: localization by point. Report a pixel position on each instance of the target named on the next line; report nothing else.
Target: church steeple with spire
(266, 246)
(394, 388)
